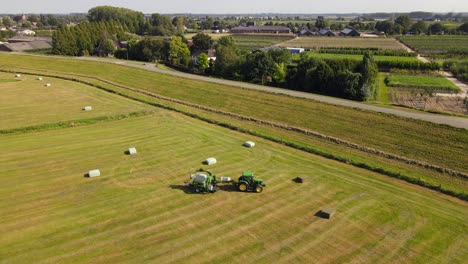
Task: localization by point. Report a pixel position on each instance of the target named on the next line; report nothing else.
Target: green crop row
(386, 62)
(375, 52)
(429, 82)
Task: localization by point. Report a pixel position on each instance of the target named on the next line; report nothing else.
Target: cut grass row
(406, 137)
(342, 42)
(429, 178)
(137, 211)
(439, 84)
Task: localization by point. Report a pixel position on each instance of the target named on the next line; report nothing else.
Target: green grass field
(409, 138)
(69, 98)
(342, 42)
(138, 210)
(409, 81)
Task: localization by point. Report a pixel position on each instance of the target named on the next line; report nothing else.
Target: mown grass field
(250, 42)
(342, 42)
(68, 100)
(138, 210)
(412, 81)
(409, 138)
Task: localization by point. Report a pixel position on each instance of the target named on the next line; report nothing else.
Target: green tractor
(203, 181)
(247, 182)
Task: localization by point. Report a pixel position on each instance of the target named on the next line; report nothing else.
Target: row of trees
(96, 38)
(403, 24)
(309, 74)
(337, 78)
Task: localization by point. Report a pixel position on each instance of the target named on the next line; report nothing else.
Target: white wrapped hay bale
(210, 161)
(87, 108)
(48, 85)
(39, 78)
(132, 151)
(249, 144)
(17, 75)
(200, 178)
(94, 173)
(225, 179)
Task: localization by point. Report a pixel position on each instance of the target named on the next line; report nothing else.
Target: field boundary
(439, 188)
(73, 123)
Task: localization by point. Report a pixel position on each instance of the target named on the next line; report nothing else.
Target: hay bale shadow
(86, 175)
(325, 214)
(126, 152)
(298, 180)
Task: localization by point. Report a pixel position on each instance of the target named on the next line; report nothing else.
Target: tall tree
(179, 52)
(161, 25)
(436, 28)
(202, 41)
(419, 27)
(132, 19)
(203, 61)
(404, 21)
(369, 72)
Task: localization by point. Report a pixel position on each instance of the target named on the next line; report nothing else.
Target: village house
(350, 32)
(261, 29)
(326, 32)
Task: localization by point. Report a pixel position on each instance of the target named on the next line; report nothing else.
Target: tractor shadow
(183, 188)
(227, 188)
(186, 189)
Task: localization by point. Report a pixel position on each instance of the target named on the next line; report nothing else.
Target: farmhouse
(350, 32)
(211, 55)
(261, 29)
(309, 32)
(326, 32)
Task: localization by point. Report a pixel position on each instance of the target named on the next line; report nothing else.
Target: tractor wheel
(258, 189)
(242, 187)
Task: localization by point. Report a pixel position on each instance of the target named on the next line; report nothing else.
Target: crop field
(357, 57)
(408, 138)
(409, 81)
(255, 41)
(69, 99)
(214, 36)
(316, 43)
(437, 44)
(139, 211)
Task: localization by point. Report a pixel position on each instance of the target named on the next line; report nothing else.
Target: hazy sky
(237, 6)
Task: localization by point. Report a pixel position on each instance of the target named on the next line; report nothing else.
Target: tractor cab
(247, 182)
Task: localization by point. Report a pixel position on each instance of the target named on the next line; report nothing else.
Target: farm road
(454, 121)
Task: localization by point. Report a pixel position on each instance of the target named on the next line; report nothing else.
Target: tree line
(96, 38)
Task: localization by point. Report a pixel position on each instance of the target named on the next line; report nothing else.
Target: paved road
(454, 121)
(441, 119)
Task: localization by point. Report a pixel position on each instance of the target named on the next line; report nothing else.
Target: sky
(236, 6)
